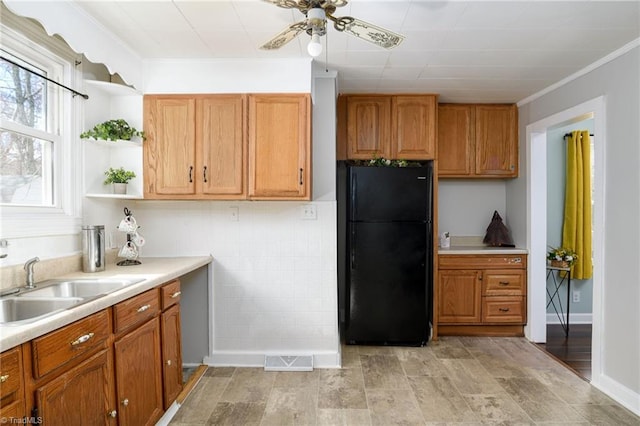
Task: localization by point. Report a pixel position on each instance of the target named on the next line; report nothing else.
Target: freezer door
(382, 194)
(387, 294)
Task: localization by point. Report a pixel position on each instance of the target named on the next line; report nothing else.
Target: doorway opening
(537, 145)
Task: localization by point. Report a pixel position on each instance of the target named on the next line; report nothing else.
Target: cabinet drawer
(170, 294)
(70, 342)
(10, 372)
(503, 283)
(482, 261)
(135, 310)
(503, 310)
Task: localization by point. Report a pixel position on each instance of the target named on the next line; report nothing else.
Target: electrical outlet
(576, 296)
(234, 214)
(309, 212)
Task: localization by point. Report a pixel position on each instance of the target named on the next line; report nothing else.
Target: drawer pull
(503, 283)
(168, 362)
(82, 339)
(503, 309)
(176, 294)
(112, 413)
(143, 308)
(125, 402)
(4, 378)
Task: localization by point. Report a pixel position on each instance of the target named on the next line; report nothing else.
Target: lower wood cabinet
(12, 403)
(139, 375)
(82, 395)
(481, 294)
(119, 366)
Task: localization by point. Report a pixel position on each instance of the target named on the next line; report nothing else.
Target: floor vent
(288, 363)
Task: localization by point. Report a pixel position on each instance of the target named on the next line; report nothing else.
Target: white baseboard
(168, 415)
(620, 393)
(573, 318)
(253, 359)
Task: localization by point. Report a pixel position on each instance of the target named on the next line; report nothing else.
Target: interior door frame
(536, 148)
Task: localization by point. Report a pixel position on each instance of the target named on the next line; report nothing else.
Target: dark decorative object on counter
(498, 235)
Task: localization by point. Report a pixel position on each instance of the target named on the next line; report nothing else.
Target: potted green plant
(118, 178)
(112, 130)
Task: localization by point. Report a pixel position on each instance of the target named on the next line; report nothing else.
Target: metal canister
(93, 257)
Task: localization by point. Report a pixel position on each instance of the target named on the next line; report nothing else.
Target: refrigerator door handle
(354, 195)
(352, 255)
(422, 178)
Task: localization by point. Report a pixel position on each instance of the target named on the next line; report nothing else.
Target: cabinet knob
(125, 402)
(112, 413)
(82, 339)
(4, 378)
(168, 362)
(143, 308)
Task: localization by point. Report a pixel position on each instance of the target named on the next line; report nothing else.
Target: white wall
(465, 207)
(619, 82)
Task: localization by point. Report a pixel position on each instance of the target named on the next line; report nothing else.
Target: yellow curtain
(576, 229)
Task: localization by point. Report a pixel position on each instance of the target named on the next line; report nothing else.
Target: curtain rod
(75, 92)
(566, 135)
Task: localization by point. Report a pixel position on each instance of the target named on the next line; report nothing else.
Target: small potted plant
(561, 257)
(112, 130)
(118, 178)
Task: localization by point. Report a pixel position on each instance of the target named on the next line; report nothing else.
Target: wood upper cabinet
(220, 143)
(279, 146)
(169, 150)
(194, 147)
(139, 375)
(477, 141)
(389, 126)
(413, 126)
(368, 127)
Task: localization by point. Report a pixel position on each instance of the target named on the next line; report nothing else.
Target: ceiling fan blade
(285, 36)
(368, 32)
(286, 4)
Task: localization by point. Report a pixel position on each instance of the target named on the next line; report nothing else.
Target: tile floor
(457, 380)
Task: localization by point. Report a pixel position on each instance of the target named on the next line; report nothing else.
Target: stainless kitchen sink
(52, 296)
(84, 288)
(19, 310)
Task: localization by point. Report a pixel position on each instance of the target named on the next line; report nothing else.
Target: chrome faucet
(28, 266)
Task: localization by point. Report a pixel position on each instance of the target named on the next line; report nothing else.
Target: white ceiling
(467, 51)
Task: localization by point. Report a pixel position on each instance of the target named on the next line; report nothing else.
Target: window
(39, 152)
(26, 138)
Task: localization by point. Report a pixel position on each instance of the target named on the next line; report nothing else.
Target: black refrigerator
(386, 245)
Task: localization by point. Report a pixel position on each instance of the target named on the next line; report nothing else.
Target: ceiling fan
(317, 12)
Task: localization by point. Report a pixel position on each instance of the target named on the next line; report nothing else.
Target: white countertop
(154, 270)
(480, 249)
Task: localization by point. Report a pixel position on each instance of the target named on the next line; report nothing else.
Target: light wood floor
(455, 380)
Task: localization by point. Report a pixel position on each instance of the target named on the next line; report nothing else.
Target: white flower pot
(119, 188)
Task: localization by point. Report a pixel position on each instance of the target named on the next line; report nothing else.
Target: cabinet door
(220, 128)
(171, 354)
(169, 148)
(459, 298)
(455, 140)
(413, 127)
(81, 396)
(279, 147)
(139, 375)
(12, 403)
(368, 127)
(496, 140)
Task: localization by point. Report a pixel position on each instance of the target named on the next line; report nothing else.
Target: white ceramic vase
(119, 188)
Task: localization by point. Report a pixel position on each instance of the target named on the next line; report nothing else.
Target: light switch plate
(309, 212)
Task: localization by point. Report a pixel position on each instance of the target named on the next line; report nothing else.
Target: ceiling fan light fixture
(314, 47)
